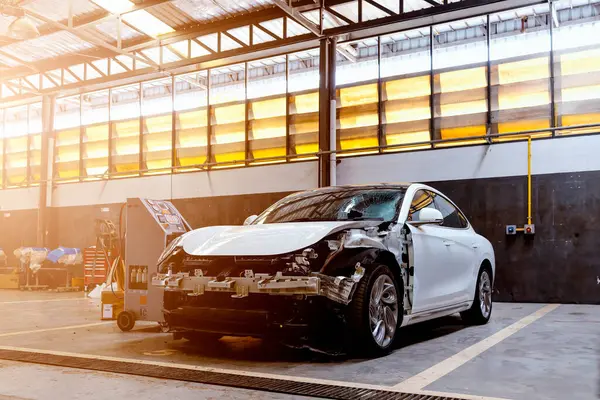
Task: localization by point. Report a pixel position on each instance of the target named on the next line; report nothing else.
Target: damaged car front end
(291, 275)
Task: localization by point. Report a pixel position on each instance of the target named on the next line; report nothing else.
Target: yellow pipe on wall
(529, 180)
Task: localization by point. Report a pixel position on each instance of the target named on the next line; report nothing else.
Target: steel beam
(86, 37)
(18, 60)
(298, 17)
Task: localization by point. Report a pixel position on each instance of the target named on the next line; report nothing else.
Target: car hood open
(265, 239)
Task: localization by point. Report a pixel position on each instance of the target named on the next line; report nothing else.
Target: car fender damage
(307, 288)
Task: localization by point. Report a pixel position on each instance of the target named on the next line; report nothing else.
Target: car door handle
(447, 243)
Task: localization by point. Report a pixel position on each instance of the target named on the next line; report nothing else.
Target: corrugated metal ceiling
(109, 28)
(206, 10)
(58, 10)
(52, 45)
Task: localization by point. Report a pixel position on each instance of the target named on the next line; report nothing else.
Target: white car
(337, 267)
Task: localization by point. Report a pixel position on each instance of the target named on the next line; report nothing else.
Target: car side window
(452, 217)
(422, 199)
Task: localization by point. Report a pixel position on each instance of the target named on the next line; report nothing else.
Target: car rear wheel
(481, 310)
(374, 312)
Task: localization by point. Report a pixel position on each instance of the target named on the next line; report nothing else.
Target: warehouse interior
(220, 108)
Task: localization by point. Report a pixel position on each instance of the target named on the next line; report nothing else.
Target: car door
(432, 259)
(459, 239)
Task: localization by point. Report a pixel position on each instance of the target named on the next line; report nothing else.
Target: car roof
(399, 185)
(362, 186)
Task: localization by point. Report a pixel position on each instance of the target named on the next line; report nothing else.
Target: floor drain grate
(320, 390)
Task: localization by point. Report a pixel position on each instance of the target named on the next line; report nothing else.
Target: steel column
(326, 95)
(553, 120)
(48, 104)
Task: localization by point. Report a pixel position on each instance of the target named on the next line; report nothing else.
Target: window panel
(304, 123)
(460, 81)
(191, 137)
(67, 119)
(577, 76)
(228, 121)
(519, 53)
(67, 113)
(157, 120)
(95, 133)
(267, 133)
(266, 77)
(405, 53)
(16, 160)
(94, 107)
(303, 84)
(95, 149)
(303, 70)
(125, 121)
(1, 148)
(35, 142)
(191, 118)
(406, 89)
(227, 84)
(357, 114)
(126, 145)
(66, 154)
(228, 133)
(17, 145)
(267, 110)
(1, 156)
(356, 62)
(35, 157)
(357, 118)
(191, 91)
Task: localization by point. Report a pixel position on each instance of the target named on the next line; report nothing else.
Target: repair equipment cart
(150, 226)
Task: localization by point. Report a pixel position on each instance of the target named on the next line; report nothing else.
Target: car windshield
(336, 204)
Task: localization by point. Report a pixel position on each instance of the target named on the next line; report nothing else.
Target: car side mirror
(429, 216)
(251, 219)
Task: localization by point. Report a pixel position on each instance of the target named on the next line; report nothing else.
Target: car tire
(126, 321)
(481, 309)
(367, 315)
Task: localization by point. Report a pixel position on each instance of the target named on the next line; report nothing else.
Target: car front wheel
(374, 312)
(481, 310)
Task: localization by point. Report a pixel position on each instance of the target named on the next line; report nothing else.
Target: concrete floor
(554, 355)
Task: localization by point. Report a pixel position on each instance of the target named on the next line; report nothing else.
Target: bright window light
(147, 23)
(115, 6)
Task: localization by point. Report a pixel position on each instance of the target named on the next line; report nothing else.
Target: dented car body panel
(261, 240)
(220, 278)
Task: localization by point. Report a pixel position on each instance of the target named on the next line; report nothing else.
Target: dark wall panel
(17, 228)
(560, 263)
(224, 210)
(76, 226)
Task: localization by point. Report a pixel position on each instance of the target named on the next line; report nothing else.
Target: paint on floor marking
(60, 328)
(42, 301)
(430, 375)
(240, 373)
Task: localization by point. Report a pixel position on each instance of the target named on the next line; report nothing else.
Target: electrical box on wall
(527, 229)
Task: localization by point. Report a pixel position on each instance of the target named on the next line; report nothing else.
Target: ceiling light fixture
(23, 28)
